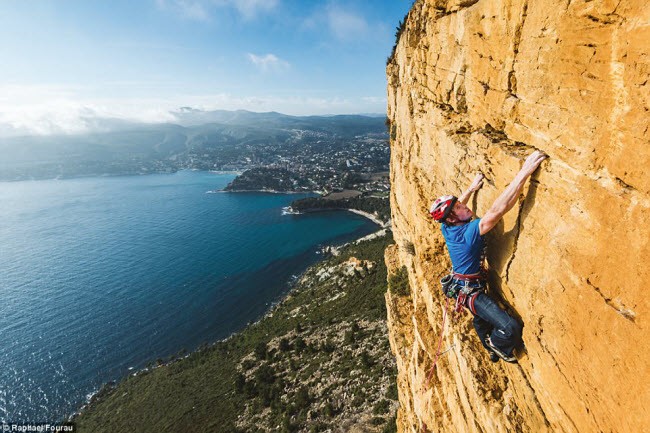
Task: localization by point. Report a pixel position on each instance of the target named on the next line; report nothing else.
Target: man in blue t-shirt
(499, 332)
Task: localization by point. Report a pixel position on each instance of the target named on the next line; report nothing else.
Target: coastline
(371, 217)
(289, 209)
(96, 396)
(269, 191)
(235, 172)
(367, 215)
(328, 350)
(115, 175)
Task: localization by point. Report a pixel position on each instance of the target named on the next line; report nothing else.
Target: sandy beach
(371, 217)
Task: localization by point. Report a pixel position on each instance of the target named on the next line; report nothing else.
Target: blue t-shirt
(465, 245)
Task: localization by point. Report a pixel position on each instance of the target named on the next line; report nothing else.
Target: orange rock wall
(478, 85)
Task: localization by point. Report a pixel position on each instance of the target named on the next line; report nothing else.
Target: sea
(101, 276)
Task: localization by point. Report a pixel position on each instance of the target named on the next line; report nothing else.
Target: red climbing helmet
(441, 208)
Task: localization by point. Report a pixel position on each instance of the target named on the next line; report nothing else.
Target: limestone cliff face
(478, 85)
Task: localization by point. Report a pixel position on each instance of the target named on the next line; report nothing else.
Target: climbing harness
(468, 290)
(466, 287)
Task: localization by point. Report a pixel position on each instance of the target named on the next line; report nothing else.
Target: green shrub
(391, 393)
(261, 350)
(284, 345)
(248, 364)
(398, 283)
(303, 400)
(366, 360)
(382, 407)
(288, 426)
(265, 374)
(299, 344)
(398, 33)
(265, 396)
(329, 410)
(240, 381)
(250, 391)
(327, 346)
(317, 427)
(391, 426)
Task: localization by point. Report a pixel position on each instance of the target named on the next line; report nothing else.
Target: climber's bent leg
(483, 329)
(506, 332)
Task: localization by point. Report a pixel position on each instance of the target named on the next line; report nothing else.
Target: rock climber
(499, 332)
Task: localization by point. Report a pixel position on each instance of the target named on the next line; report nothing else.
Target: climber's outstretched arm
(509, 197)
(476, 184)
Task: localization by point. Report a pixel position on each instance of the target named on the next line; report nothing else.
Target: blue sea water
(99, 276)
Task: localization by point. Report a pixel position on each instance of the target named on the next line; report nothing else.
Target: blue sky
(64, 62)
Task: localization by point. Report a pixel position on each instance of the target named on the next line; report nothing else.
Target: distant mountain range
(134, 148)
(191, 116)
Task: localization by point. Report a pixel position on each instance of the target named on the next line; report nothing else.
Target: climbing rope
(457, 311)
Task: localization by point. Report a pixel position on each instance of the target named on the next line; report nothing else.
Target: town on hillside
(350, 173)
(308, 162)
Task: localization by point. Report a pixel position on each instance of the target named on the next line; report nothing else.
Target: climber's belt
(468, 277)
(474, 284)
(463, 290)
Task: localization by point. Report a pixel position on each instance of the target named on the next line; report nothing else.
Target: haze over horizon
(69, 64)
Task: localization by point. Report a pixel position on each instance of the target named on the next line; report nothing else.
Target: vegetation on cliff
(373, 205)
(262, 178)
(320, 360)
(398, 283)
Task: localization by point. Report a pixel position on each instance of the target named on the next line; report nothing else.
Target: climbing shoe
(494, 357)
(499, 353)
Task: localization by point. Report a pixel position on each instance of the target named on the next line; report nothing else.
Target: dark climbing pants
(490, 320)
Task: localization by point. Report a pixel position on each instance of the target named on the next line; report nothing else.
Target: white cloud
(344, 24)
(191, 9)
(199, 10)
(294, 105)
(268, 62)
(249, 9)
(374, 99)
(51, 109)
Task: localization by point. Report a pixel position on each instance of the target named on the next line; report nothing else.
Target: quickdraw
(463, 288)
(467, 299)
